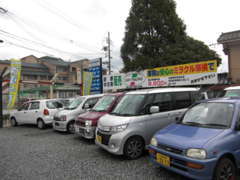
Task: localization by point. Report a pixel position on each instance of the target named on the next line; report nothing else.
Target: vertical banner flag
(96, 68)
(15, 75)
(87, 82)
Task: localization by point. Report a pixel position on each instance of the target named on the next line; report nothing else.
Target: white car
(40, 112)
(64, 120)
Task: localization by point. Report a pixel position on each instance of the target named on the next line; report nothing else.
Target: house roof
(24, 64)
(54, 61)
(229, 37)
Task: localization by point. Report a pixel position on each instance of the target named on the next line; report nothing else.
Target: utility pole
(109, 53)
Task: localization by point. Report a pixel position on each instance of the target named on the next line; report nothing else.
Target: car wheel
(134, 147)
(13, 121)
(40, 124)
(225, 170)
(70, 127)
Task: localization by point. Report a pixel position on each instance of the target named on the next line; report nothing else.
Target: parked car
(232, 91)
(86, 123)
(65, 101)
(38, 112)
(64, 120)
(204, 144)
(131, 125)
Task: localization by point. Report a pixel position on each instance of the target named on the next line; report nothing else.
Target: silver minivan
(64, 120)
(139, 114)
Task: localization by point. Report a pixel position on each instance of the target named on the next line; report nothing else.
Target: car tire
(13, 122)
(225, 169)
(134, 147)
(70, 127)
(40, 124)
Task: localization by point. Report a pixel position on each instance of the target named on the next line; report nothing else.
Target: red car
(86, 123)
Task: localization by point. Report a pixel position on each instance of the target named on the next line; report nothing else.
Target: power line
(58, 13)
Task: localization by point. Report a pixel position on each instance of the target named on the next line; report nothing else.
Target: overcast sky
(74, 30)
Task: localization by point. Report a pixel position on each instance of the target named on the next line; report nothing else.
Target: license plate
(162, 159)
(99, 138)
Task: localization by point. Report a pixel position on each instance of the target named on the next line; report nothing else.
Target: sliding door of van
(161, 119)
(182, 100)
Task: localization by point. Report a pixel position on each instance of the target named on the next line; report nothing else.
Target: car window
(91, 102)
(24, 107)
(182, 100)
(163, 101)
(34, 105)
(53, 104)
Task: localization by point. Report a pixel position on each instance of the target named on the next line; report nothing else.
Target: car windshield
(232, 93)
(104, 103)
(130, 105)
(75, 103)
(209, 115)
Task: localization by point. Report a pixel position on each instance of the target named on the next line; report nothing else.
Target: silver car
(64, 120)
(139, 114)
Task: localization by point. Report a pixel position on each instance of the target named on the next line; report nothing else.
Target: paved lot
(29, 153)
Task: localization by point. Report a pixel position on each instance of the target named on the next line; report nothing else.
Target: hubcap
(40, 124)
(71, 128)
(226, 172)
(134, 148)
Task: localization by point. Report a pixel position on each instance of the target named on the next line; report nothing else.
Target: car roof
(162, 90)
(233, 88)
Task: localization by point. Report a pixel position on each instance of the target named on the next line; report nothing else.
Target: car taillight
(45, 112)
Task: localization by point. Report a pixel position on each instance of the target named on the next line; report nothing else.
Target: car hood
(91, 115)
(184, 137)
(112, 120)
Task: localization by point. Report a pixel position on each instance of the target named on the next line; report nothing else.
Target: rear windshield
(53, 104)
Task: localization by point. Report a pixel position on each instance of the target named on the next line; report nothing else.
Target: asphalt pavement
(29, 153)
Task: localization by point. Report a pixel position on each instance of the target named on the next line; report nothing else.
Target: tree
(155, 36)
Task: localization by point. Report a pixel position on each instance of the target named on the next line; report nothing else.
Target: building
(37, 74)
(231, 47)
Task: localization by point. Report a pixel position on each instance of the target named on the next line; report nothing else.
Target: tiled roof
(229, 37)
(55, 61)
(24, 64)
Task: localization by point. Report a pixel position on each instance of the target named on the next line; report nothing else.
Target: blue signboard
(96, 69)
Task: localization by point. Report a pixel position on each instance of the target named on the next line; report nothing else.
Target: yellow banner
(87, 82)
(183, 69)
(14, 82)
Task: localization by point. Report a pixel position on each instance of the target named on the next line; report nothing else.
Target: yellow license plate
(162, 159)
(99, 138)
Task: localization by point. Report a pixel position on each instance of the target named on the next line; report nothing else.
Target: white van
(64, 120)
(139, 114)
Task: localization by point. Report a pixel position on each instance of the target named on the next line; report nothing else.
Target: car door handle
(36, 111)
(24, 112)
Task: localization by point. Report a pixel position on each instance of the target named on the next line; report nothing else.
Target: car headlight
(88, 123)
(118, 128)
(154, 142)
(63, 118)
(197, 153)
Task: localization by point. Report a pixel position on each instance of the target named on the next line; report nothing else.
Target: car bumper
(113, 143)
(86, 132)
(48, 120)
(178, 164)
(60, 126)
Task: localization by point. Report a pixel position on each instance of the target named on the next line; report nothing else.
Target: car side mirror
(237, 128)
(178, 119)
(86, 106)
(154, 109)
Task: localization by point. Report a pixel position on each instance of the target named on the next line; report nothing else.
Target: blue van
(204, 143)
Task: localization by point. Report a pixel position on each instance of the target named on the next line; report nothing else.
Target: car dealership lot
(29, 153)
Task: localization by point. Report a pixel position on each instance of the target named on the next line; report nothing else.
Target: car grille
(170, 149)
(56, 118)
(105, 137)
